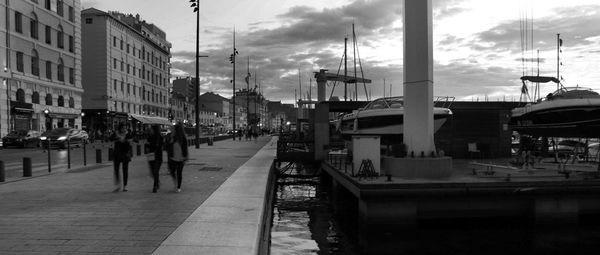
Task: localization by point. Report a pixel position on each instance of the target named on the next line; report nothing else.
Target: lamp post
(232, 60)
(196, 5)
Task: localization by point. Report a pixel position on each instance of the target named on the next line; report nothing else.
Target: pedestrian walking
(122, 155)
(177, 151)
(154, 155)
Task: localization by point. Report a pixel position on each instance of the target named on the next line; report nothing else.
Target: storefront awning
(151, 120)
(64, 115)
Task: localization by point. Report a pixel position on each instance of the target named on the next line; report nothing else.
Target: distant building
(215, 103)
(185, 86)
(279, 114)
(41, 65)
(125, 70)
(254, 104)
(179, 110)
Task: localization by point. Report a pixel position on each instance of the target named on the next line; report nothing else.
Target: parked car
(84, 136)
(61, 137)
(22, 138)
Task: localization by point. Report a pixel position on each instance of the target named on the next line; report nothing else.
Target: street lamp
(232, 60)
(196, 6)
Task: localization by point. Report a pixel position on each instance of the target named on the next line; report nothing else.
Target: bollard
(210, 141)
(68, 153)
(2, 173)
(26, 167)
(138, 149)
(110, 154)
(49, 164)
(98, 156)
(84, 154)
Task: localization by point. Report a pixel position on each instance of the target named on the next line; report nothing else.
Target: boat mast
(558, 44)
(309, 91)
(299, 85)
(354, 61)
(537, 84)
(345, 69)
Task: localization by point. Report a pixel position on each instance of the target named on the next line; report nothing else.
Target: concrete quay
(541, 195)
(76, 212)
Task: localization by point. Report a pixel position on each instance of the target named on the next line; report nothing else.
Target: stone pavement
(76, 212)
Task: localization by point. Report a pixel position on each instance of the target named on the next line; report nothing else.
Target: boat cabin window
(377, 106)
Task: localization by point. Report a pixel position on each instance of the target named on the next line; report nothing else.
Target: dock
(543, 196)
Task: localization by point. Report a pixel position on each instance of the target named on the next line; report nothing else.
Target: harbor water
(305, 222)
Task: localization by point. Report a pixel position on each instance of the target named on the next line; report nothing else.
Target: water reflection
(304, 222)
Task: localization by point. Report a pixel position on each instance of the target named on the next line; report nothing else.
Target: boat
(383, 117)
(567, 112)
(570, 112)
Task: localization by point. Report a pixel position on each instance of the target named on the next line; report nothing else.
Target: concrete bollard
(98, 156)
(2, 172)
(26, 167)
(110, 154)
(138, 149)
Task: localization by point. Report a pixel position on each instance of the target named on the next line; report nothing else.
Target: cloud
(473, 80)
(575, 24)
(308, 39)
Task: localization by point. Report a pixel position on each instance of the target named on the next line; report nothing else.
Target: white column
(321, 83)
(418, 77)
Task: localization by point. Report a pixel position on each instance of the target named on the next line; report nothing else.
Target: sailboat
(384, 116)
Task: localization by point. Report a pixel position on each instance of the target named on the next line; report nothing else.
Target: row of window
(34, 33)
(146, 95)
(59, 8)
(35, 67)
(142, 53)
(149, 75)
(35, 99)
(137, 109)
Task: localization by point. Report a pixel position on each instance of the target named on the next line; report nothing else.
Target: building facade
(279, 115)
(255, 107)
(180, 109)
(40, 54)
(126, 67)
(219, 105)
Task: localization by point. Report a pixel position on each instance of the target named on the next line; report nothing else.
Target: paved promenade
(76, 212)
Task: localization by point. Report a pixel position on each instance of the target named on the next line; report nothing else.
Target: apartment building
(40, 54)
(126, 67)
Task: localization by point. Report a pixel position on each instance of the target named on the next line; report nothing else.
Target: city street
(76, 212)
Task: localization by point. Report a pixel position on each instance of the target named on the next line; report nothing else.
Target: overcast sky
(477, 43)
